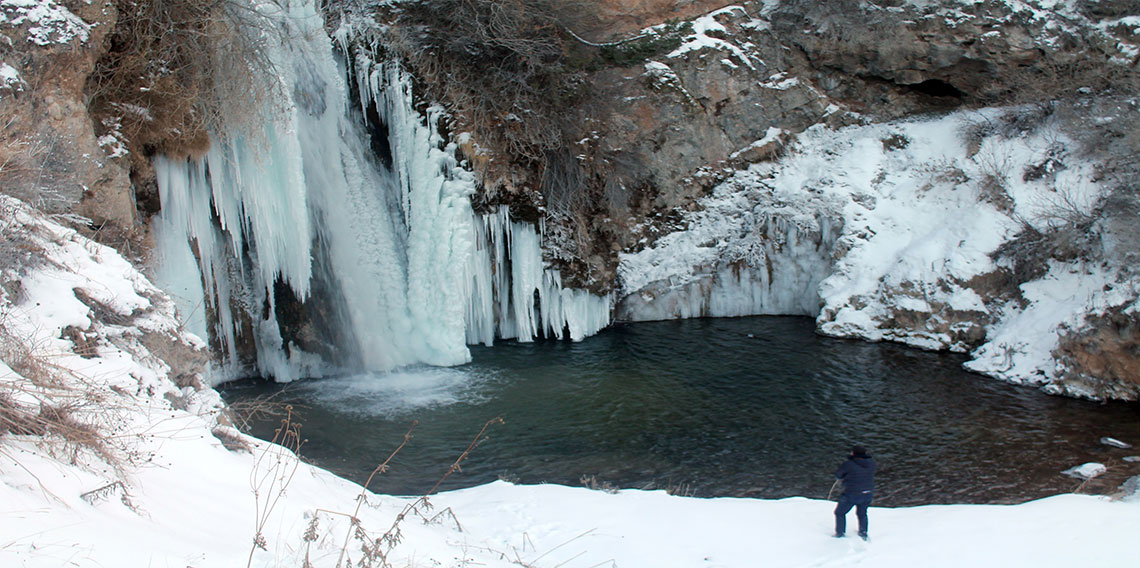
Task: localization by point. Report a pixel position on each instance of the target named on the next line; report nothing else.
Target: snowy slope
(180, 498)
(923, 207)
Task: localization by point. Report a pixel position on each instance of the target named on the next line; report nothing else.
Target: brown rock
(621, 18)
(48, 147)
(1105, 356)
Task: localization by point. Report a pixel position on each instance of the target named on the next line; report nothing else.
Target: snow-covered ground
(178, 497)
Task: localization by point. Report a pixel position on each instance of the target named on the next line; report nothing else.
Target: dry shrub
(507, 68)
(375, 549)
(564, 184)
(71, 420)
(177, 69)
(242, 414)
(591, 482)
(274, 470)
(1107, 133)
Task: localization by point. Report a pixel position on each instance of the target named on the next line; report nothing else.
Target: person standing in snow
(858, 476)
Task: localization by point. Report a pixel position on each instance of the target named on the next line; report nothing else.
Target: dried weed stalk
(72, 418)
(376, 550)
(271, 475)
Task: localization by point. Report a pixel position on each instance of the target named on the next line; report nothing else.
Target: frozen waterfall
(732, 261)
(299, 251)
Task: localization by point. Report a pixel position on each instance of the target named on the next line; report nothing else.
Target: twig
(392, 536)
(544, 554)
(383, 467)
(278, 476)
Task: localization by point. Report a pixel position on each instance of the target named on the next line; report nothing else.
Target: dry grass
(72, 419)
(375, 548)
(274, 470)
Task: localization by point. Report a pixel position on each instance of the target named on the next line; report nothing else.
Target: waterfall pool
(734, 407)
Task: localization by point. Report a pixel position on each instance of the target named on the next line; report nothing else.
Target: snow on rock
(10, 79)
(1115, 443)
(48, 23)
(1020, 347)
(662, 77)
(707, 31)
(906, 222)
(1086, 471)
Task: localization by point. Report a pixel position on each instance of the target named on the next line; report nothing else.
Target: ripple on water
(758, 407)
(394, 394)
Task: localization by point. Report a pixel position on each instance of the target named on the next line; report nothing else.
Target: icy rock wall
(510, 258)
(748, 251)
(384, 254)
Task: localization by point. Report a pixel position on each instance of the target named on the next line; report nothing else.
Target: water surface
(749, 407)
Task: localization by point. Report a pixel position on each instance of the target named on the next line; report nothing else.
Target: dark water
(756, 407)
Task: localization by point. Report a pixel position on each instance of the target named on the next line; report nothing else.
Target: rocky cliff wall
(49, 153)
(678, 112)
(651, 125)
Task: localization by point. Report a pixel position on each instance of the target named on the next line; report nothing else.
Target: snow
(1086, 471)
(1019, 349)
(182, 499)
(901, 218)
(10, 78)
(780, 82)
(701, 38)
(48, 22)
(113, 145)
(1109, 441)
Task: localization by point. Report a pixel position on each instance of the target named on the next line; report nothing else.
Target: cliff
(677, 117)
(666, 148)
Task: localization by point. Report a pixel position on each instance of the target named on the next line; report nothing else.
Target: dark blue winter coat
(858, 475)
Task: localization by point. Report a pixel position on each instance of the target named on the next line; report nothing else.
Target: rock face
(1104, 357)
(676, 111)
(621, 18)
(676, 116)
(680, 122)
(48, 148)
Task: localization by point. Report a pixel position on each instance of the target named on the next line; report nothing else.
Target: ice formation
(749, 251)
(389, 262)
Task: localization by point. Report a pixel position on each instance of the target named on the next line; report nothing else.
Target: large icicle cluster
(510, 258)
(387, 248)
(750, 251)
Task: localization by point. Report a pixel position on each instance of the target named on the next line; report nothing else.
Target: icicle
(781, 275)
(529, 300)
(405, 271)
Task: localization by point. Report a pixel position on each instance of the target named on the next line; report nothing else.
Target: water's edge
(741, 407)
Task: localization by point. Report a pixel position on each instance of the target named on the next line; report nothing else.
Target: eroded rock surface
(49, 152)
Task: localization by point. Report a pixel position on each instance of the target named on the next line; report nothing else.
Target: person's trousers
(860, 501)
